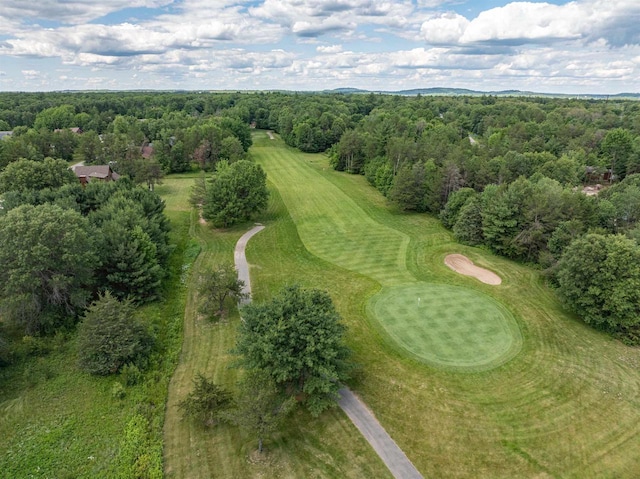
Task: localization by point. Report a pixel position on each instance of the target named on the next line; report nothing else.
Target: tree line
(503, 173)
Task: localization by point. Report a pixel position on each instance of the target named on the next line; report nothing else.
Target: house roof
(75, 129)
(147, 151)
(93, 171)
(4, 134)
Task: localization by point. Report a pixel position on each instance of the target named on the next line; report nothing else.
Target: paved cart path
(396, 460)
(360, 415)
(240, 260)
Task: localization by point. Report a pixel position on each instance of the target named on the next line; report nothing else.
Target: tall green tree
(599, 278)
(235, 193)
(36, 175)
(457, 199)
(129, 263)
(617, 147)
(408, 190)
(216, 285)
(62, 116)
(468, 226)
(207, 403)
(297, 338)
(47, 259)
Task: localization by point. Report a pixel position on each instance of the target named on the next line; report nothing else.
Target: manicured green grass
(333, 226)
(336, 228)
(447, 325)
(307, 447)
(565, 406)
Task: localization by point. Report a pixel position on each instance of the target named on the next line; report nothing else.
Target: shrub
(110, 337)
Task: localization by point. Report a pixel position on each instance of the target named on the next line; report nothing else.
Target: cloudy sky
(581, 46)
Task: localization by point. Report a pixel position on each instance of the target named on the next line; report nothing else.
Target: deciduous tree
(216, 285)
(235, 193)
(47, 257)
(261, 407)
(297, 339)
(599, 278)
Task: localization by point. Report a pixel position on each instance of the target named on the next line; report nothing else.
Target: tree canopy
(297, 338)
(47, 259)
(235, 193)
(110, 336)
(599, 278)
(217, 284)
(24, 175)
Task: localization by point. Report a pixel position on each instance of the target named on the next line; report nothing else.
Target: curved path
(357, 411)
(240, 260)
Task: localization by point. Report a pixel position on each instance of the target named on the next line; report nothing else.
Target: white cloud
(342, 15)
(314, 29)
(519, 23)
(70, 11)
(329, 49)
(446, 28)
(317, 44)
(524, 21)
(31, 74)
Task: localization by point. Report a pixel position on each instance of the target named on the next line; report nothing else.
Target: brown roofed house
(95, 172)
(76, 129)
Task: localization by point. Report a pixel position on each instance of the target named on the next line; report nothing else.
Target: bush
(131, 374)
(118, 391)
(110, 337)
(207, 403)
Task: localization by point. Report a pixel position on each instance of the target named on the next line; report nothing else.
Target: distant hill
(465, 92)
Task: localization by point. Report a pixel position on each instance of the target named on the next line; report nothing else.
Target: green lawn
(336, 228)
(566, 405)
(447, 326)
(309, 447)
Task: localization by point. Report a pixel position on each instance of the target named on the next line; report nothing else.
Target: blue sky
(582, 46)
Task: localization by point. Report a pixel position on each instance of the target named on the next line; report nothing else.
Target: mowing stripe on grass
(447, 325)
(331, 225)
(452, 328)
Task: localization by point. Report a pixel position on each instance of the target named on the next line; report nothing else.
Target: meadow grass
(57, 421)
(567, 405)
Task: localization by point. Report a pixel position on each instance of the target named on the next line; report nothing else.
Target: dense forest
(503, 173)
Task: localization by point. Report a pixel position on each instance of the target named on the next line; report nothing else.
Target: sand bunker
(463, 265)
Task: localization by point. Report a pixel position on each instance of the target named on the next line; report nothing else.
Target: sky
(557, 46)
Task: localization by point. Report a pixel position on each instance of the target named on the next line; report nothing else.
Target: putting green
(447, 326)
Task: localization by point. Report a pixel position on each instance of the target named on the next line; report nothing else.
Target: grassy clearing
(566, 406)
(309, 447)
(447, 326)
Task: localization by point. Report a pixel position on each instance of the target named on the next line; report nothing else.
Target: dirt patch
(463, 265)
(200, 218)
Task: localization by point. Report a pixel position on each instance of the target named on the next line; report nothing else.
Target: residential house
(95, 172)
